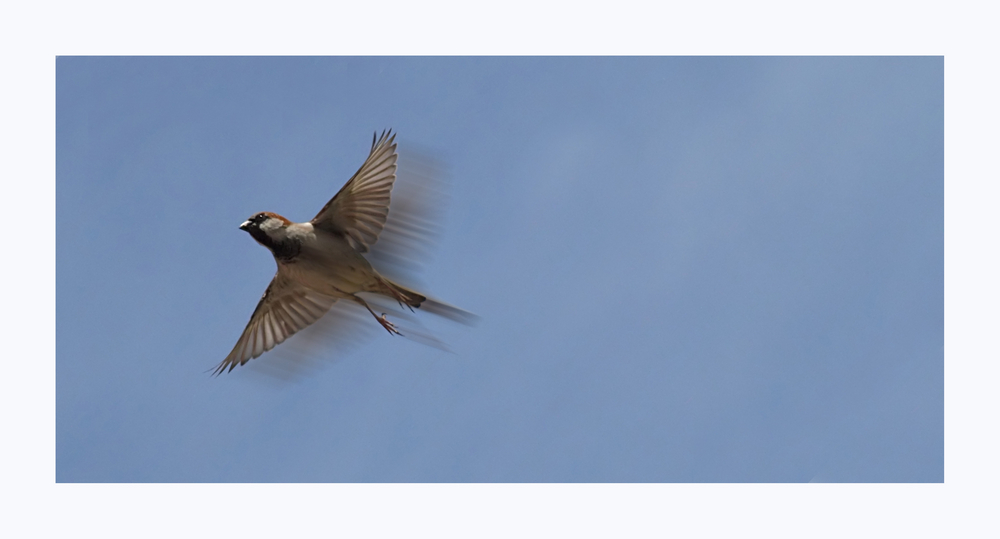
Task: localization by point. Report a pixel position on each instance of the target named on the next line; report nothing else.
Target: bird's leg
(389, 326)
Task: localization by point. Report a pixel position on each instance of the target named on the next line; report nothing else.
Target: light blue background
(687, 269)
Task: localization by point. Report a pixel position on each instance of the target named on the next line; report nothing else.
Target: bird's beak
(245, 225)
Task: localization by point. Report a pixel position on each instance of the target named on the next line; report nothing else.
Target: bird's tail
(399, 293)
(416, 300)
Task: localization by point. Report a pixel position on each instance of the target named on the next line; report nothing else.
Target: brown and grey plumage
(320, 262)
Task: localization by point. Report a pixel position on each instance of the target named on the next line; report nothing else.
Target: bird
(321, 261)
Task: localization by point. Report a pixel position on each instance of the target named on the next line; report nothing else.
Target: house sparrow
(320, 262)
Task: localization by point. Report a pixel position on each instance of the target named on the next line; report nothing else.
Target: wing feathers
(359, 209)
(285, 309)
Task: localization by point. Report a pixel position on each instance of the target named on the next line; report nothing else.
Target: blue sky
(686, 269)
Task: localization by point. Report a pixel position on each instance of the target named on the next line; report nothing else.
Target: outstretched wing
(359, 209)
(285, 308)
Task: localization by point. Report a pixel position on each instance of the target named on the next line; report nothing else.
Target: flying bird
(320, 262)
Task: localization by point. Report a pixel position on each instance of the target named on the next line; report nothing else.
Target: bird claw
(389, 326)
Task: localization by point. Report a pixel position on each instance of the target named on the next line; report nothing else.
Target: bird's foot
(389, 326)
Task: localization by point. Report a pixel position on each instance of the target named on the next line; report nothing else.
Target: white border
(33, 34)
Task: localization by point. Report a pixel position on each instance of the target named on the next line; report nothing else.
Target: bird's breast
(331, 266)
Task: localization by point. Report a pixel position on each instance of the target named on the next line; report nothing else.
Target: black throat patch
(283, 250)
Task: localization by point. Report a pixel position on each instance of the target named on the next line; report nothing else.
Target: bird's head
(267, 228)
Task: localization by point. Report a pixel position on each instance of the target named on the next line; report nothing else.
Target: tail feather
(403, 295)
(450, 312)
(420, 301)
